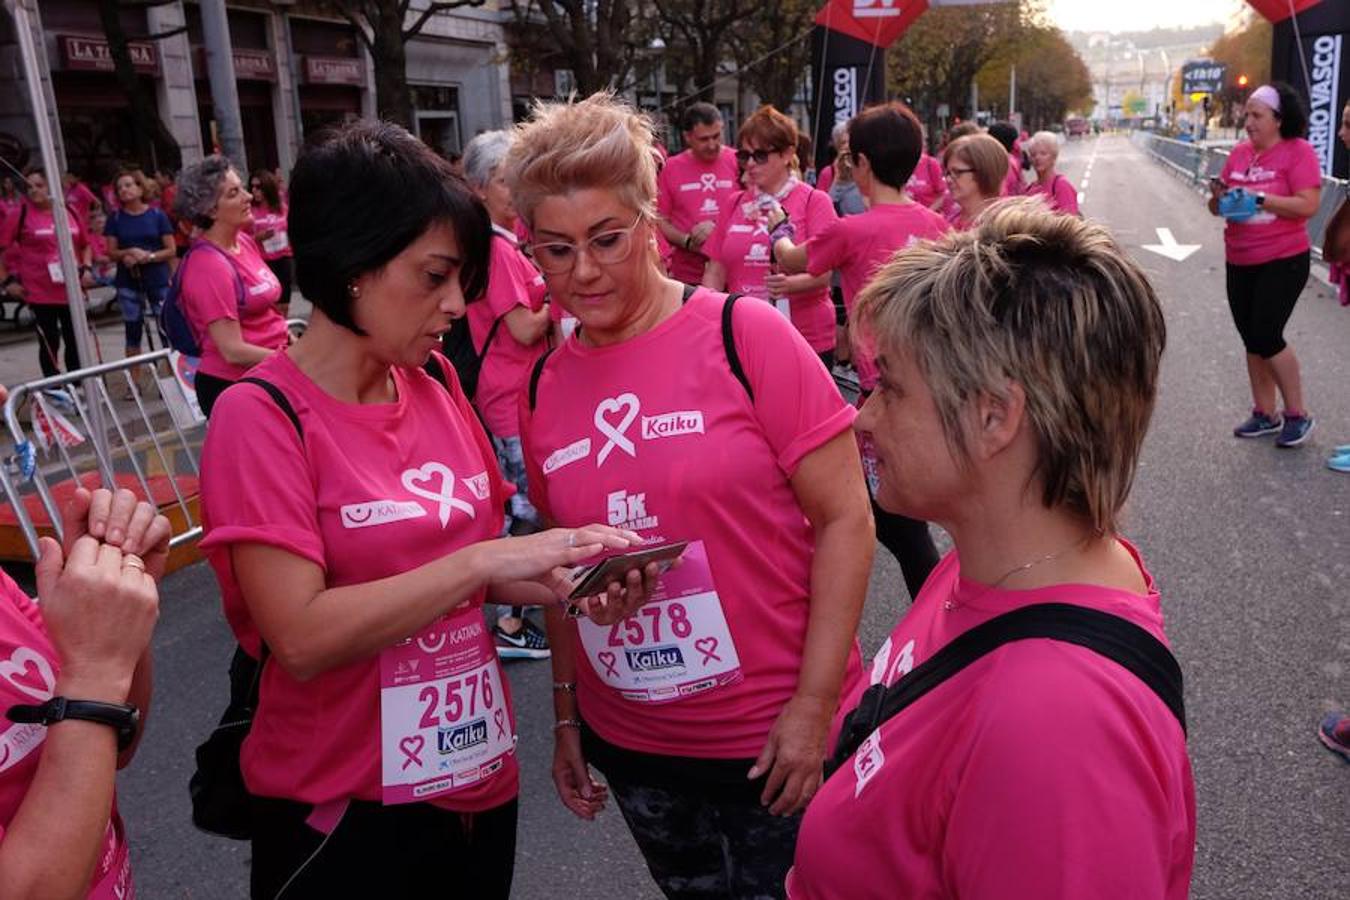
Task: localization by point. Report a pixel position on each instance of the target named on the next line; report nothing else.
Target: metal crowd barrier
(1196, 164)
(145, 438)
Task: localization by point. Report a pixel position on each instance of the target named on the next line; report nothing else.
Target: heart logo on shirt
(29, 673)
(708, 647)
(609, 659)
(709, 181)
(412, 749)
(615, 435)
(418, 481)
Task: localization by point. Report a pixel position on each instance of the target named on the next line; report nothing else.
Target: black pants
(910, 543)
(54, 325)
(414, 850)
(209, 388)
(1262, 299)
(284, 269)
(827, 358)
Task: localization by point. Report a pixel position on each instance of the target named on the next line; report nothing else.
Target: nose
(866, 419)
(586, 267)
(452, 301)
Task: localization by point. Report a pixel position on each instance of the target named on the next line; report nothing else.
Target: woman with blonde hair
(1060, 195)
(1024, 735)
(975, 167)
(684, 416)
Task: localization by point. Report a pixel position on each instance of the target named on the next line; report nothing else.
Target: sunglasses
(759, 156)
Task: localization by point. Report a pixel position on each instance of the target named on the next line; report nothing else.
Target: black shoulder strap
(434, 368)
(280, 399)
(492, 333)
(537, 371)
(729, 345)
(1111, 636)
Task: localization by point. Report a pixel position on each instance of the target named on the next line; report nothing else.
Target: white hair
(483, 155)
(1047, 138)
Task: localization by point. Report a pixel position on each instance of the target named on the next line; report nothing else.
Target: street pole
(224, 91)
(25, 15)
(1012, 94)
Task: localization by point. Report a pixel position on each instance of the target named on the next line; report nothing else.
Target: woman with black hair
(1270, 186)
(359, 552)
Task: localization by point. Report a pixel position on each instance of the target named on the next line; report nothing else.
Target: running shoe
(1258, 425)
(1295, 431)
(1339, 463)
(1335, 733)
(527, 643)
(1340, 450)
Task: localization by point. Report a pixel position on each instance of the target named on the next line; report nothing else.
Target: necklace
(949, 604)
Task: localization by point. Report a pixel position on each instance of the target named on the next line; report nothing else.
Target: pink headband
(1267, 95)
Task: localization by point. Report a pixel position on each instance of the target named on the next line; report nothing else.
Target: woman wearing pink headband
(1270, 186)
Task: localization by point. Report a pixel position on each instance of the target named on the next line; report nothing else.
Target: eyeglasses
(759, 156)
(953, 174)
(607, 248)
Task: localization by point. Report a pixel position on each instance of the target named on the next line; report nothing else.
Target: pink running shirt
(740, 242)
(1042, 770)
(29, 234)
(372, 490)
(1284, 170)
(1060, 194)
(856, 246)
(31, 668)
(208, 288)
(278, 245)
(927, 185)
(656, 434)
(513, 283)
(1012, 184)
(690, 191)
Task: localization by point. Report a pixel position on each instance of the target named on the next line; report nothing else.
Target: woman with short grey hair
(226, 288)
(1060, 195)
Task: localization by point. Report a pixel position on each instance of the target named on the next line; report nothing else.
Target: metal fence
(1196, 164)
(133, 425)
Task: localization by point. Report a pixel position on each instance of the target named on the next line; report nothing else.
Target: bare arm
(715, 276)
(229, 340)
(791, 258)
(527, 326)
(1302, 205)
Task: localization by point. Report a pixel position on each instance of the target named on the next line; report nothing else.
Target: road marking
(1167, 246)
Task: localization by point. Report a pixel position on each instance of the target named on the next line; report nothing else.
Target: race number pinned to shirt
(55, 272)
(276, 243)
(444, 724)
(675, 646)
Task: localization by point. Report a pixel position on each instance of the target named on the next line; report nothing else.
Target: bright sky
(1136, 15)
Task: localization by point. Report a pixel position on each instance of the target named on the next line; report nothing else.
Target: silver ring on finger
(571, 539)
(132, 561)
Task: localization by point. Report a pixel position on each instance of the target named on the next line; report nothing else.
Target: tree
(939, 56)
(1246, 52)
(155, 144)
(384, 29)
(1052, 78)
(696, 35)
(598, 40)
(773, 53)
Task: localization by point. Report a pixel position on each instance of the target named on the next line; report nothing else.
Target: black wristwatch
(125, 719)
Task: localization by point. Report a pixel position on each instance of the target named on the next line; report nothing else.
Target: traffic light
(1242, 81)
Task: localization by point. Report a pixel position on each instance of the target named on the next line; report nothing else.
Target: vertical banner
(841, 66)
(1325, 88)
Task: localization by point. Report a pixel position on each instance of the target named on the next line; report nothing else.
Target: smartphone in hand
(596, 578)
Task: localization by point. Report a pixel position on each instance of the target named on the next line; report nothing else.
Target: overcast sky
(1137, 15)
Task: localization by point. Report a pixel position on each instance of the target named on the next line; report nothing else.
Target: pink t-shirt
(1041, 770)
(372, 490)
(30, 669)
(656, 434)
(1283, 170)
(513, 282)
(740, 242)
(927, 185)
(1060, 194)
(856, 246)
(825, 179)
(278, 245)
(209, 294)
(29, 234)
(690, 191)
(1012, 183)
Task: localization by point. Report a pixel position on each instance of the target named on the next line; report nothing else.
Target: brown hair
(983, 154)
(1049, 302)
(270, 187)
(770, 129)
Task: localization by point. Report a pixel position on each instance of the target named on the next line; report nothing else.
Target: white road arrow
(1169, 247)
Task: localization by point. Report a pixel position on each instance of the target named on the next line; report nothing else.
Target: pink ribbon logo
(609, 659)
(708, 647)
(412, 749)
(499, 716)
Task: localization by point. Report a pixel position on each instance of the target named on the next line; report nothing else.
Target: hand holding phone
(615, 588)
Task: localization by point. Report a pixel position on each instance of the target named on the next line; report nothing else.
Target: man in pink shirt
(692, 189)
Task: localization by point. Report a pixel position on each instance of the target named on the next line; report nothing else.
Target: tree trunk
(154, 141)
(393, 101)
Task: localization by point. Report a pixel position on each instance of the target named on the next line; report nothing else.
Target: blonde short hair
(985, 155)
(599, 142)
(1049, 302)
(1046, 139)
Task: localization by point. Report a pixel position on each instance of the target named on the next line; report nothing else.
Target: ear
(999, 420)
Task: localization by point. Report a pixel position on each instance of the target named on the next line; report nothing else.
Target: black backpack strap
(535, 373)
(729, 345)
(1111, 636)
(280, 399)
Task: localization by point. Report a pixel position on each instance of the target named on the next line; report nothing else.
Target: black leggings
(283, 268)
(208, 388)
(53, 325)
(910, 543)
(1262, 299)
(413, 850)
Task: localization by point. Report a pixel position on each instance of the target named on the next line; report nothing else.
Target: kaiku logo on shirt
(479, 485)
(653, 659)
(462, 737)
(573, 452)
(379, 512)
(674, 424)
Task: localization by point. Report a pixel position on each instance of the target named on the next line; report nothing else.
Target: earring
(354, 290)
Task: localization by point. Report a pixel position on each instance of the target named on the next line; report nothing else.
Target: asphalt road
(1247, 542)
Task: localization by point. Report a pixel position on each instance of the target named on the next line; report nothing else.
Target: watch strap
(119, 716)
